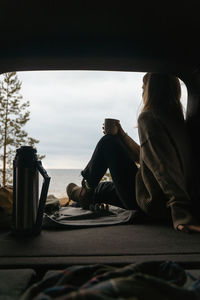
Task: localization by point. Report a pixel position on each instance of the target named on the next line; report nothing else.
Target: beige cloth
(6, 206)
(165, 169)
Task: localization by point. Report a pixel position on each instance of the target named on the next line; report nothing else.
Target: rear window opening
(67, 111)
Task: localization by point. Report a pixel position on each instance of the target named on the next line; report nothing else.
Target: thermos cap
(26, 156)
(26, 149)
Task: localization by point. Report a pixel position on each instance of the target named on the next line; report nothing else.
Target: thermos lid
(26, 149)
(26, 155)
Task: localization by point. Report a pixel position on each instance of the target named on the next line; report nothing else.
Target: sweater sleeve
(160, 156)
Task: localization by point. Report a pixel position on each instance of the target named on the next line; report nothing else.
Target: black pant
(110, 153)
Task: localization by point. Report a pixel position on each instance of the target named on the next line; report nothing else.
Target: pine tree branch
(13, 117)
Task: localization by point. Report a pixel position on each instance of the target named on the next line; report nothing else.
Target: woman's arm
(132, 146)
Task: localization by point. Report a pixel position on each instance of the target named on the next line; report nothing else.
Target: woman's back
(165, 171)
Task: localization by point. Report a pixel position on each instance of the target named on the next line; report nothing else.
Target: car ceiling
(112, 35)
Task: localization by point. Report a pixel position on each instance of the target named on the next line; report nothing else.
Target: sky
(68, 108)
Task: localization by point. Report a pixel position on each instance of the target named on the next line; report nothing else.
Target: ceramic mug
(110, 126)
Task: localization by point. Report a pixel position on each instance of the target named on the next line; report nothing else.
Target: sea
(60, 178)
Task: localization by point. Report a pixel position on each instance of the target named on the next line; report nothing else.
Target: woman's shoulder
(147, 118)
(150, 125)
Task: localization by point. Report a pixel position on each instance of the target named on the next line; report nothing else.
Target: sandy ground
(65, 201)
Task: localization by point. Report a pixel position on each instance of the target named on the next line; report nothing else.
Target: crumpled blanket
(76, 217)
(149, 280)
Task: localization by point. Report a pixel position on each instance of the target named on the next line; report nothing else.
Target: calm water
(60, 178)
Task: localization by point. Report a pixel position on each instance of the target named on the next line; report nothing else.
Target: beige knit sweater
(165, 169)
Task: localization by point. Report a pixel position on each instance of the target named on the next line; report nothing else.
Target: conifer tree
(14, 114)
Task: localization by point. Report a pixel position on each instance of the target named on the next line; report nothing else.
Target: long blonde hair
(162, 93)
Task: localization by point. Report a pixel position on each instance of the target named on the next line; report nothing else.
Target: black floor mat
(122, 243)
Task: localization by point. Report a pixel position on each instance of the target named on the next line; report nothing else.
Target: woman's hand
(119, 130)
(103, 128)
(189, 228)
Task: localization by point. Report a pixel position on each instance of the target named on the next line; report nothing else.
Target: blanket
(76, 217)
(164, 280)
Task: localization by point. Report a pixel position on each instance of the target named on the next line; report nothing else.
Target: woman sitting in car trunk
(161, 186)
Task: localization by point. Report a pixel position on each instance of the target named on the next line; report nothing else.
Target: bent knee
(109, 141)
(108, 138)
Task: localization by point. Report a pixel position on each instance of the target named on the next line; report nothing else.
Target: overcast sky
(68, 108)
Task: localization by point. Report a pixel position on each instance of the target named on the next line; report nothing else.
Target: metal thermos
(28, 209)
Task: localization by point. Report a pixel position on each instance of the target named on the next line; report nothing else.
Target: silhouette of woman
(161, 186)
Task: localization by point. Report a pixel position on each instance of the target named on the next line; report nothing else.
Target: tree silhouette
(14, 114)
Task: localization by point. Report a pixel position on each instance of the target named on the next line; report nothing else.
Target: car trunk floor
(121, 244)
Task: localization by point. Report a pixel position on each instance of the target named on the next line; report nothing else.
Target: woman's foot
(189, 228)
(80, 194)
